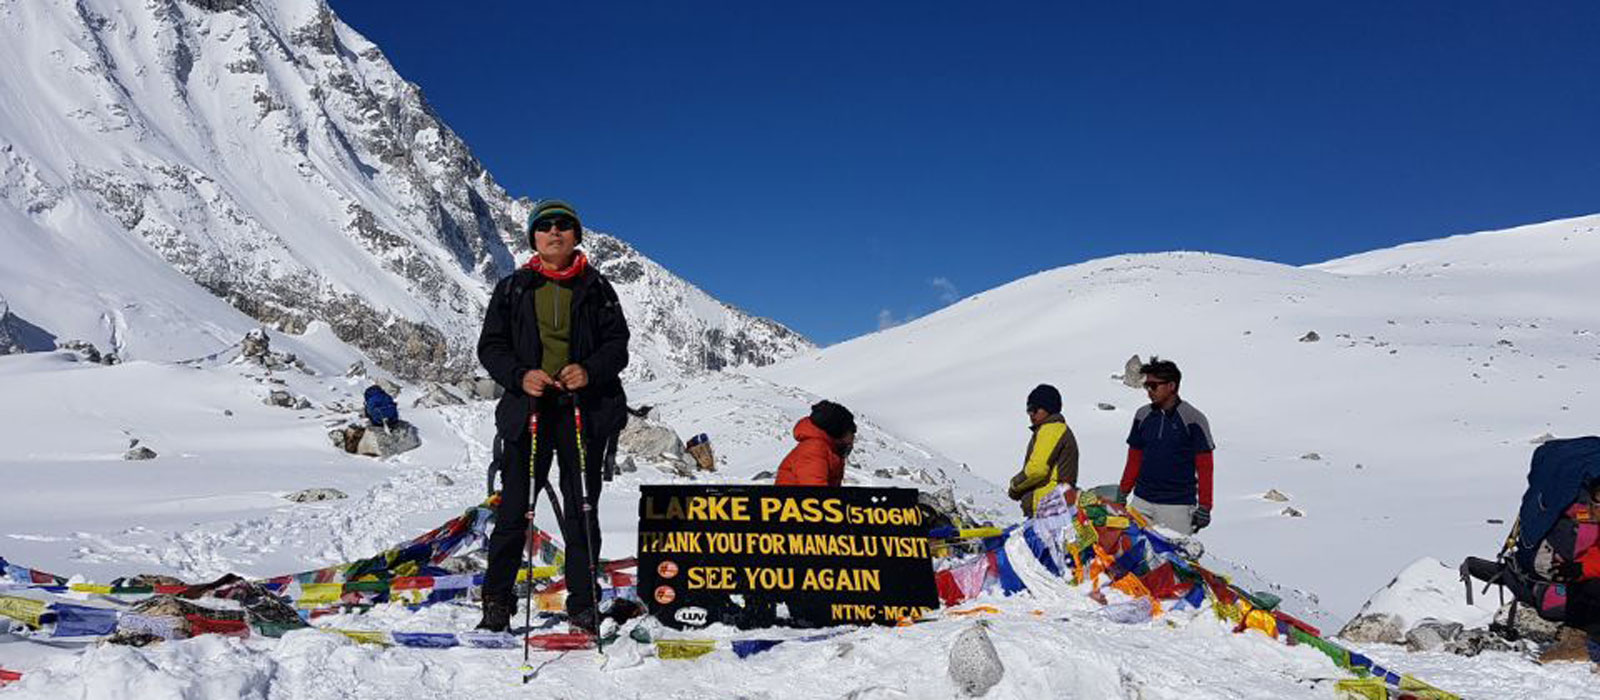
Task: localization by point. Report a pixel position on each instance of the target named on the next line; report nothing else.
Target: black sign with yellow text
(831, 555)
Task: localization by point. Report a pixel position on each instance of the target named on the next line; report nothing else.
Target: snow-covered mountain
(1398, 434)
(161, 161)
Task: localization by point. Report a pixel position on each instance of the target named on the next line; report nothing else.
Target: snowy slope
(162, 161)
(1438, 363)
(211, 503)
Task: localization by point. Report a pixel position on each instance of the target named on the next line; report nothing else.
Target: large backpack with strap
(1561, 470)
(1560, 474)
(380, 406)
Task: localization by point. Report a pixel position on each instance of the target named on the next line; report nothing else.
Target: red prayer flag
(408, 582)
(200, 624)
(949, 591)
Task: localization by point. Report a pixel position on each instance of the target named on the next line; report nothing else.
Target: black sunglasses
(1151, 385)
(558, 223)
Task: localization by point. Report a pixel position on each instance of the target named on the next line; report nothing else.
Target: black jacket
(509, 347)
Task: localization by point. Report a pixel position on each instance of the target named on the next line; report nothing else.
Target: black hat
(551, 209)
(1046, 397)
(835, 420)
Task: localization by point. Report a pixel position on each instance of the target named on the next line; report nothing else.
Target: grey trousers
(1179, 518)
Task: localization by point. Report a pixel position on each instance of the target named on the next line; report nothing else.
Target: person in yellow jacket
(1052, 456)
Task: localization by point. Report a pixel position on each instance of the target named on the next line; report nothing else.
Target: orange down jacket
(813, 461)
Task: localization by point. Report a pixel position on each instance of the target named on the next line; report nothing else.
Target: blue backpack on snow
(381, 409)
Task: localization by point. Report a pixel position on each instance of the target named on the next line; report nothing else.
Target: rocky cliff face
(272, 156)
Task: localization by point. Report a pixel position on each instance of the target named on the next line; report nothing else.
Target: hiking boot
(497, 613)
(1482, 569)
(587, 620)
(1571, 645)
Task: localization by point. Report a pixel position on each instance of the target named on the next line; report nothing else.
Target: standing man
(1169, 455)
(555, 338)
(1052, 455)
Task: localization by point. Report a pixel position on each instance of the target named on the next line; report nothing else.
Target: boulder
(1310, 337)
(1528, 626)
(390, 440)
(626, 466)
(1476, 641)
(1131, 376)
(1311, 457)
(256, 344)
(443, 479)
(315, 495)
(1374, 628)
(280, 398)
(436, 394)
(1432, 635)
(486, 389)
(974, 664)
(85, 350)
(139, 453)
(648, 439)
(1292, 512)
(1105, 406)
(1274, 495)
(392, 388)
(356, 369)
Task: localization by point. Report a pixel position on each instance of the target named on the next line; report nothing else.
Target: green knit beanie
(549, 209)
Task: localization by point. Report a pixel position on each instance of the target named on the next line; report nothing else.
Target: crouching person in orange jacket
(825, 438)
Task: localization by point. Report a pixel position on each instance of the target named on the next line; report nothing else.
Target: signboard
(830, 555)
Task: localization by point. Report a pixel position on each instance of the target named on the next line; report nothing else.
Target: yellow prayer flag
(551, 602)
(979, 532)
(1361, 689)
(684, 648)
(538, 572)
(25, 610)
(1263, 622)
(365, 636)
(1116, 522)
(316, 595)
(1423, 690)
(1228, 611)
(89, 588)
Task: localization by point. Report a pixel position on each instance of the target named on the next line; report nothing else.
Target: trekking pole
(527, 545)
(588, 513)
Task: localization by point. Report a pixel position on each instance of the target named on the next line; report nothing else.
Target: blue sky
(839, 165)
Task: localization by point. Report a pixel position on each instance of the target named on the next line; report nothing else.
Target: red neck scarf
(579, 264)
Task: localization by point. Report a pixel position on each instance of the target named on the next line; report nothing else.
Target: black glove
(1122, 497)
(1567, 572)
(1202, 518)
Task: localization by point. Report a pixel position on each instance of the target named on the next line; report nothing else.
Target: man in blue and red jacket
(1169, 455)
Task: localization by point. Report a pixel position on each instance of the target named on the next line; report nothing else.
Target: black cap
(1046, 397)
(835, 420)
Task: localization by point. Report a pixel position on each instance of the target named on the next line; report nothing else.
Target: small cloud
(947, 289)
(886, 319)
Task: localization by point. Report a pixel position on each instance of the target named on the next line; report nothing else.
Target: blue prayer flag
(749, 647)
(424, 640)
(83, 621)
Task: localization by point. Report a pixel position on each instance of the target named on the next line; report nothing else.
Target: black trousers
(1583, 607)
(580, 527)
